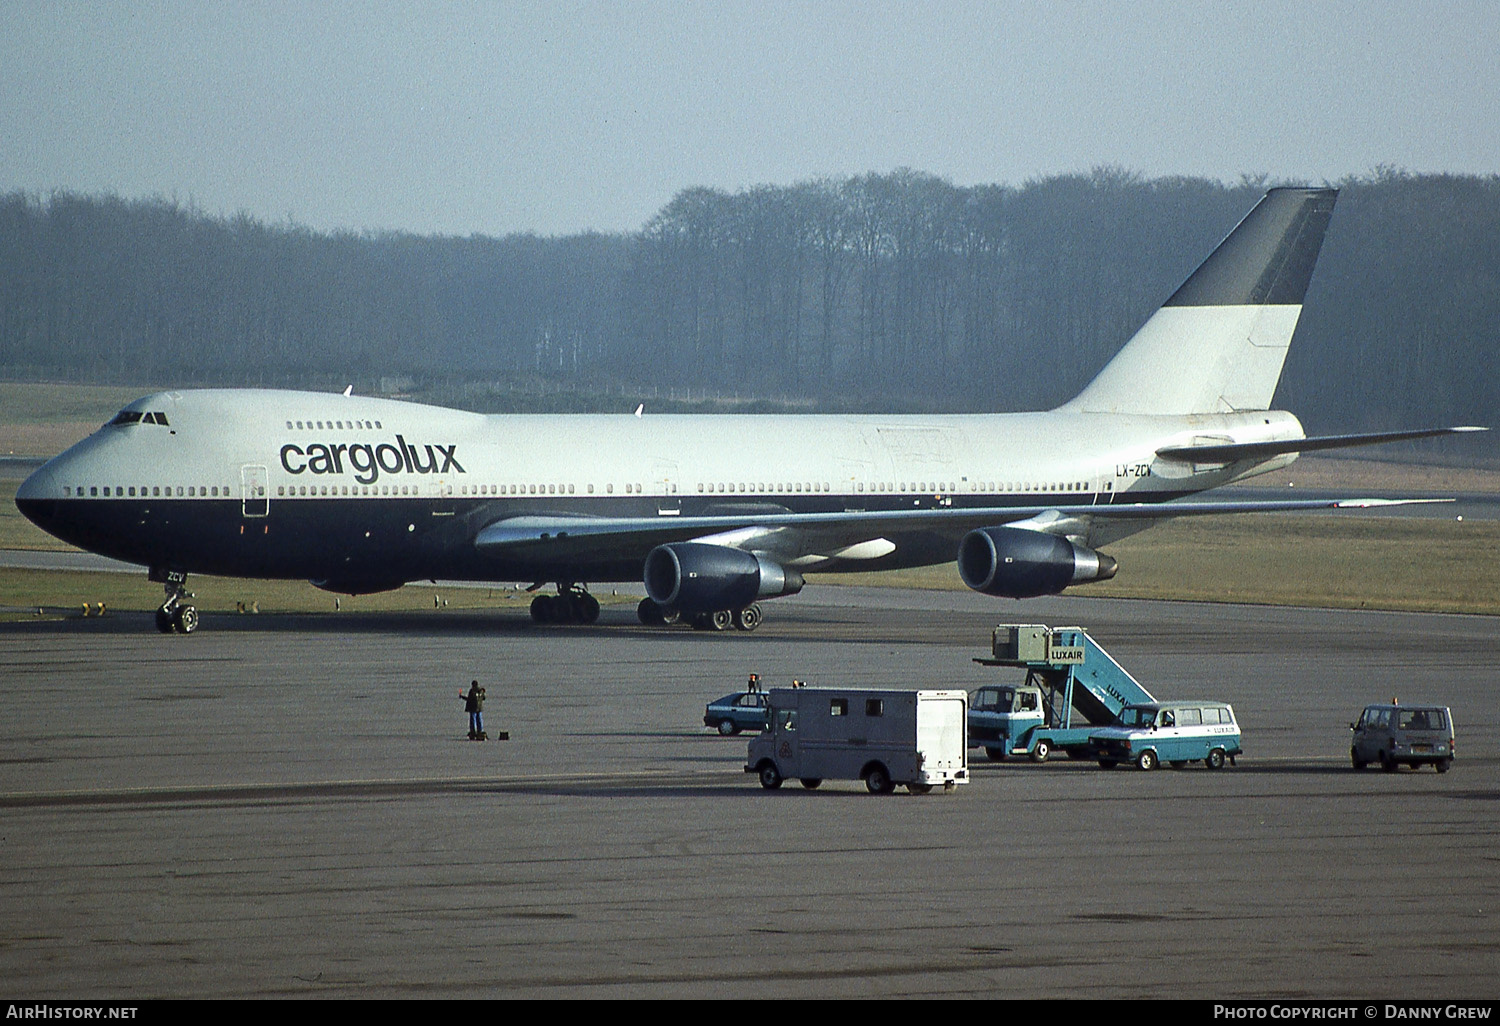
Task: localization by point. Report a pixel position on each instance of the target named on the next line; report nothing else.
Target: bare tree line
(880, 291)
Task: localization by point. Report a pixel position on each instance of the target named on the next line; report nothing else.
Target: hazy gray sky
(558, 117)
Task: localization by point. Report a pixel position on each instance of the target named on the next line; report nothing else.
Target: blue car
(743, 710)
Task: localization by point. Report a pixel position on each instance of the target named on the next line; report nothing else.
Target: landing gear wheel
(571, 604)
(185, 620)
(770, 777)
(649, 613)
(749, 618)
(164, 621)
(585, 607)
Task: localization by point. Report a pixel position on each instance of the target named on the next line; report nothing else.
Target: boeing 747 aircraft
(712, 513)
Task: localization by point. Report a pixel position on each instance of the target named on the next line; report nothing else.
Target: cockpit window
(137, 417)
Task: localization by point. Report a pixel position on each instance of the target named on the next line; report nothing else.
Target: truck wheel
(1442, 765)
(727, 727)
(1215, 759)
(997, 754)
(919, 788)
(1355, 760)
(878, 780)
(1108, 763)
(770, 778)
(1146, 760)
(811, 783)
(1041, 751)
(1387, 763)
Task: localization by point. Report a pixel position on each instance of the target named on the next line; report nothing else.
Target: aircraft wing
(571, 538)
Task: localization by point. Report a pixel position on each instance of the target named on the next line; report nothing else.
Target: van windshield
(1137, 716)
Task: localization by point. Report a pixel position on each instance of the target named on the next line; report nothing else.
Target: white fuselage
(307, 468)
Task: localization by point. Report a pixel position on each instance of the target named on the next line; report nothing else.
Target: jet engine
(1017, 563)
(695, 577)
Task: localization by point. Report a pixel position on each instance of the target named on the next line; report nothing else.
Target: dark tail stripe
(1269, 256)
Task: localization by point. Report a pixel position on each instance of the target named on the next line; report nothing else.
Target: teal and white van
(1176, 733)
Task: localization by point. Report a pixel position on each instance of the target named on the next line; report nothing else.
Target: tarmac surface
(288, 806)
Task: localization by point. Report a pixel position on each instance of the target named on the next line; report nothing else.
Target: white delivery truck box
(918, 739)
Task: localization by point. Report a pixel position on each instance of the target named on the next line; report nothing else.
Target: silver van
(1395, 734)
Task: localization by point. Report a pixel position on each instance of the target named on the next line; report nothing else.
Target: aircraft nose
(37, 496)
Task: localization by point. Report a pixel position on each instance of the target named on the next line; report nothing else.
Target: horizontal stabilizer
(1232, 452)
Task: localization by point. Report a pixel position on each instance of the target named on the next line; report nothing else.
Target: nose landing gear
(174, 615)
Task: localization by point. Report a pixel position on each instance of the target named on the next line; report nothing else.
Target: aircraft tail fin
(1218, 344)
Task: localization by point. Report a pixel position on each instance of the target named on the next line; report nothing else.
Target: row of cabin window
(741, 487)
(982, 487)
(146, 491)
(287, 491)
(333, 425)
(799, 486)
(544, 489)
(920, 487)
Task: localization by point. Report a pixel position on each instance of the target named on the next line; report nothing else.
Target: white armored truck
(885, 738)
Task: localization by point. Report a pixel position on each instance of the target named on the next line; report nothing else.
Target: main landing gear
(571, 604)
(175, 616)
(746, 619)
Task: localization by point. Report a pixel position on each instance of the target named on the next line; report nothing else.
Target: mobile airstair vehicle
(1072, 688)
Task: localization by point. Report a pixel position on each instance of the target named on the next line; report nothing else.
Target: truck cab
(998, 715)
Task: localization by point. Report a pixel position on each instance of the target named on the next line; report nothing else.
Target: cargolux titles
(367, 461)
